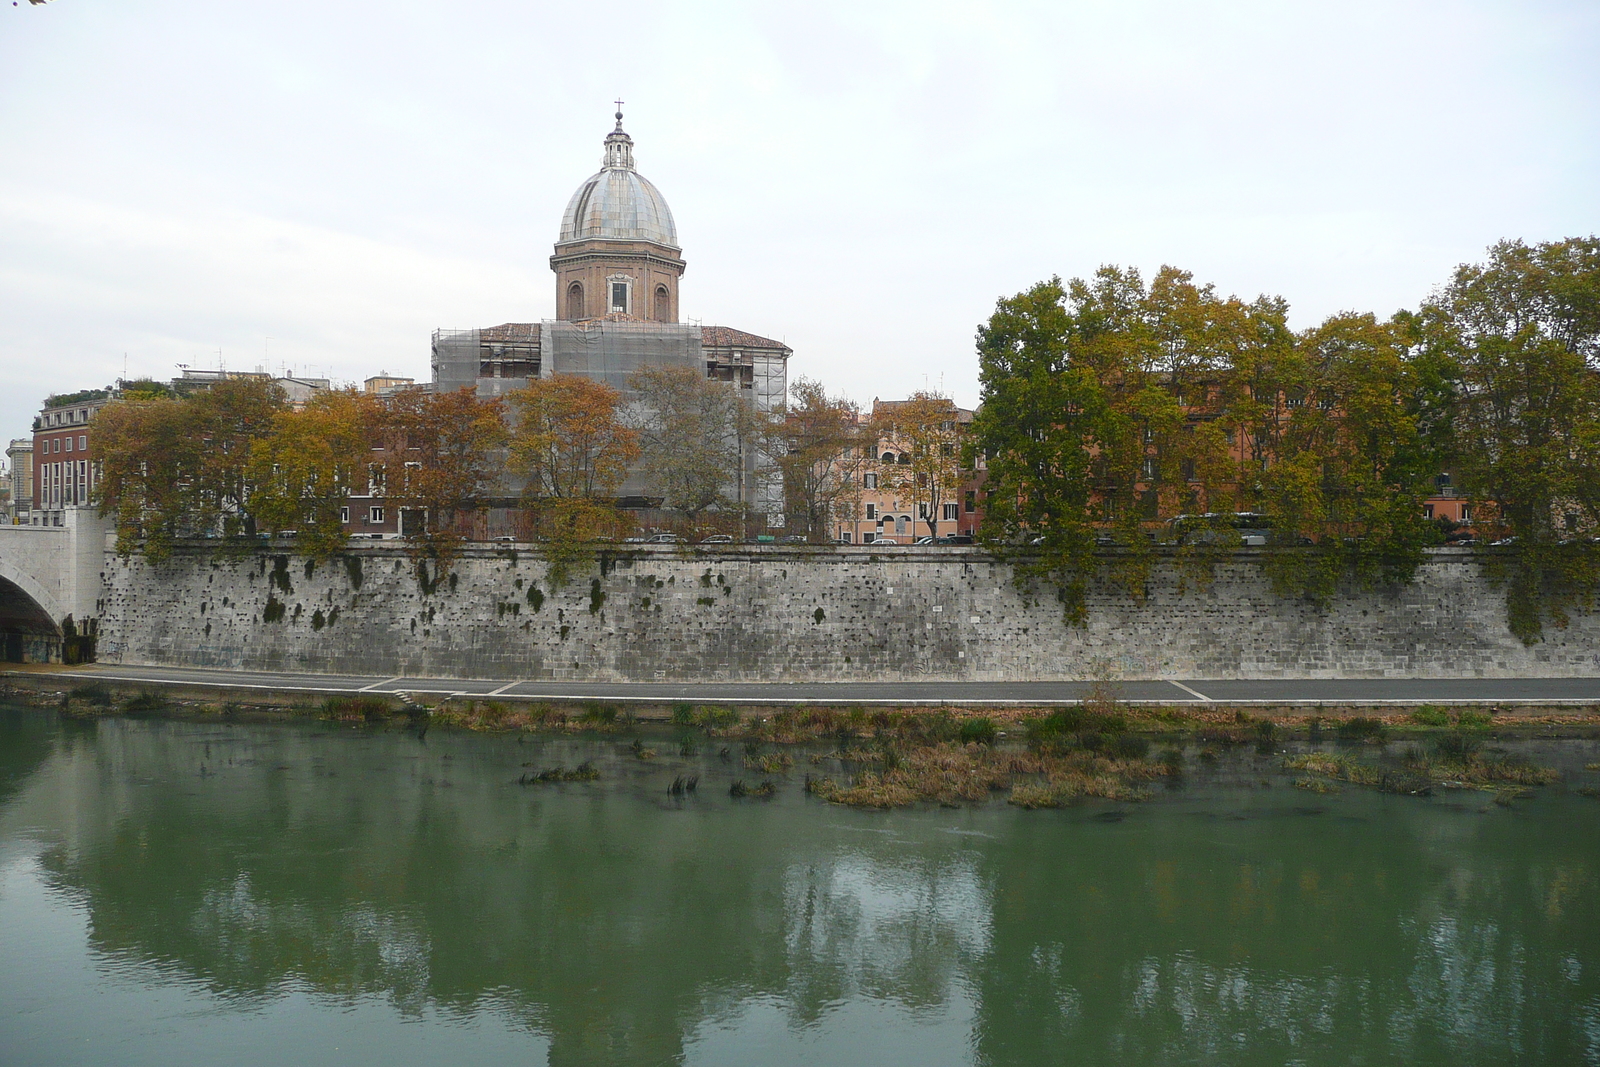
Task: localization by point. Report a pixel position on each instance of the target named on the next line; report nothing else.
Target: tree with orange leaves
(573, 450)
(440, 460)
(305, 470)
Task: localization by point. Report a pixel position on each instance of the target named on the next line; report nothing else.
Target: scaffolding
(455, 360)
(612, 351)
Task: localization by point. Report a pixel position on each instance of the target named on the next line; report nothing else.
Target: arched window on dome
(663, 304)
(575, 301)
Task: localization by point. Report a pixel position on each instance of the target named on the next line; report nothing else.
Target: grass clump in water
(597, 714)
(94, 695)
(1456, 764)
(950, 774)
(583, 772)
(770, 762)
(146, 703)
(1360, 728)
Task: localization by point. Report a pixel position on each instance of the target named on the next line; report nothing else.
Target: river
(179, 893)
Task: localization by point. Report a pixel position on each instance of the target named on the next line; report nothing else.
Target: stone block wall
(797, 614)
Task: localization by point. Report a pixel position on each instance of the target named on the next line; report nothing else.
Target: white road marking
(374, 685)
(1191, 692)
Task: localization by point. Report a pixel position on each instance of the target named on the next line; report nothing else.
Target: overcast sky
(320, 186)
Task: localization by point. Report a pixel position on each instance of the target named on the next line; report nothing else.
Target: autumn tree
(821, 448)
(177, 468)
(147, 455)
(572, 448)
(303, 473)
(695, 434)
(924, 434)
(441, 455)
(1518, 338)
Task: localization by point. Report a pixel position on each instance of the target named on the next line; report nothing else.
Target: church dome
(618, 203)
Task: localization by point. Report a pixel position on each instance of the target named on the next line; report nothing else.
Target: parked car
(717, 539)
(955, 539)
(664, 539)
(1252, 528)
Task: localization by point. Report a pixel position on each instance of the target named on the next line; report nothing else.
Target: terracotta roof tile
(510, 331)
(728, 337)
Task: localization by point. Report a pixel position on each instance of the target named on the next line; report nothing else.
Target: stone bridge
(50, 588)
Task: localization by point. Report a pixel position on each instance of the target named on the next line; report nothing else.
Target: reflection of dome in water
(618, 203)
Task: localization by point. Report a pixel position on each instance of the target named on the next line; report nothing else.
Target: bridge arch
(28, 631)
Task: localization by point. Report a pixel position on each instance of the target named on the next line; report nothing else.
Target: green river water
(177, 893)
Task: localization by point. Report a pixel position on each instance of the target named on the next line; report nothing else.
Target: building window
(1427, 511)
(952, 512)
(972, 502)
(619, 297)
(872, 511)
(870, 481)
(344, 515)
(844, 535)
(375, 515)
(888, 457)
(922, 511)
(69, 443)
(663, 304)
(83, 442)
(1466, 512)
(868, 537)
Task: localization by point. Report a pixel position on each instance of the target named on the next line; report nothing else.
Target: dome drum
(618, 251)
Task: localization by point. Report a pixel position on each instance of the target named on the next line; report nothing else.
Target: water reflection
(623, 926)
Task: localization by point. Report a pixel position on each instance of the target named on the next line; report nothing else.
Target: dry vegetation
(1455, 762)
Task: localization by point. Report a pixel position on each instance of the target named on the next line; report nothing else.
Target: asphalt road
(1179, 691)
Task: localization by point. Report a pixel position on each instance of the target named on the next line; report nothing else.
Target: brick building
(887, 505)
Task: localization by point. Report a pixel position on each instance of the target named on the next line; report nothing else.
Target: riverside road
(1309, 691)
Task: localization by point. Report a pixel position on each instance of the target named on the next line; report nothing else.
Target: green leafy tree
(1345, 466)
(1037, 426)
(1518, 338)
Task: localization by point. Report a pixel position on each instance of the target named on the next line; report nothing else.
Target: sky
(316, 187)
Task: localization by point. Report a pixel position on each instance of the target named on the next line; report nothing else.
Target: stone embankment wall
(797, 614)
